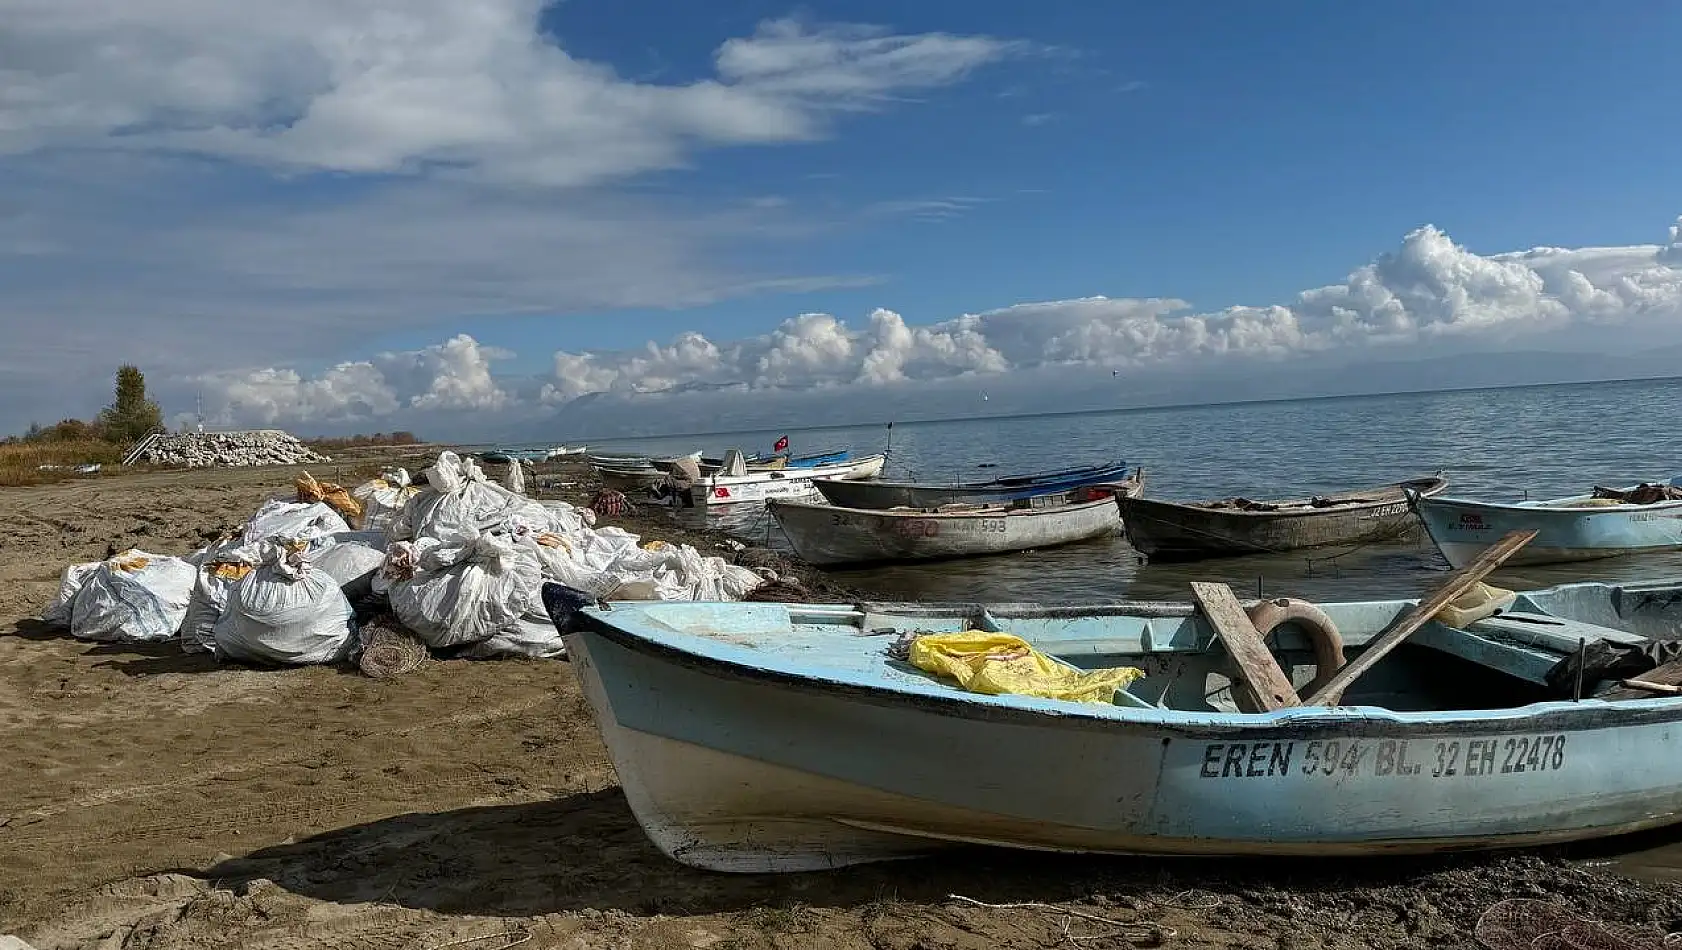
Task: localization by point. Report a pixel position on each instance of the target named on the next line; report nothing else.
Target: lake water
(1496, 444)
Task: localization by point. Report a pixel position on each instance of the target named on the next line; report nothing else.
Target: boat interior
(1077, 496)
(1504, 659)
(1642, 495)
(1376, 496)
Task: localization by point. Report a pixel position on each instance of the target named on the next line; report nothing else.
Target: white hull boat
(1578, 528)
(756, 737)
(725, 489)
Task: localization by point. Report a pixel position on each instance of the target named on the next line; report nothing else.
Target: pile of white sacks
(461, 562)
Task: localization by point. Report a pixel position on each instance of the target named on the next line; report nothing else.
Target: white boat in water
(1603, 523)
(828, 535)
(734, 483)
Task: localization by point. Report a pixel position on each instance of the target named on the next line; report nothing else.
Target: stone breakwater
(232, 449)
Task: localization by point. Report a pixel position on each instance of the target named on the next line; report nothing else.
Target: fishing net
(388, 650)
(1526, 924)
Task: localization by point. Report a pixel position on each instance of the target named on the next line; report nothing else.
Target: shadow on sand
(586, 851)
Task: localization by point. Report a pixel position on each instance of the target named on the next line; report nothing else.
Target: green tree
(132, 415)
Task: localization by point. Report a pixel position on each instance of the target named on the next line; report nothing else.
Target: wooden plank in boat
(1458, 583)
(1259, 672)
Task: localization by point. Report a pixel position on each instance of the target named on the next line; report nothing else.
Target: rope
(522, 936)
(1130, 931)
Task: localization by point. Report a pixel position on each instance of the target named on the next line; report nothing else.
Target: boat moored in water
(1606, 522)
(756, 737)
(826, 535)
(880, 494)
(1186, 531)
(735, 483)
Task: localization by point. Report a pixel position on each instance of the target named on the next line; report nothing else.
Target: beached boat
(827, 535)
(625, 461)
(629, 480)
(1603, 523)
(758, 737)
(734, 483)
(879, 494)
(769, 463)
(1186, 531)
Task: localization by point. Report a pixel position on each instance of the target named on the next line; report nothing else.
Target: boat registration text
(1333, 758)
(934, 528)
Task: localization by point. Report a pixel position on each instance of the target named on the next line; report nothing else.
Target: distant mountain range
(714, 408)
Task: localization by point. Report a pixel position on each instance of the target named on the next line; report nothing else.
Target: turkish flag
(782, 443)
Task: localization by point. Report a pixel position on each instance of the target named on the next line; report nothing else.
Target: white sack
(349, 557)
(460, 503)
(515, 478)
(134, 597)
(221, 566)
(301, 520)
(285, 612)
(469, 592)
(383, 499)
(529, 638)
(58, 612)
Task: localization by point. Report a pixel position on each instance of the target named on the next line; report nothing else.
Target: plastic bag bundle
(58, 612)
(222, 565)
(134, 597)
(529, 638)
(460, 503)
(285, 612)
(292, 519)
(334, 496)
(465, 593)
(1001, 663)
(383, 499)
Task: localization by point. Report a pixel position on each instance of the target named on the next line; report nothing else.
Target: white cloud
(474, 87)
(1428, 289)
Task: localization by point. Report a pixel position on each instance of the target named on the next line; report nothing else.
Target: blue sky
(267, 195)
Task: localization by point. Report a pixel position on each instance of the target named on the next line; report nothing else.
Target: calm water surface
(1493, 444)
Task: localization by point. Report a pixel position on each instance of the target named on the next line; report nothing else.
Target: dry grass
(20, 462)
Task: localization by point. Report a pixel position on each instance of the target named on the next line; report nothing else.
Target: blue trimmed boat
(1604, 523)
(879, 495)
(757, 737)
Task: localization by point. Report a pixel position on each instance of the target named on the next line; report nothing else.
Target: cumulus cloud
(478, 88)
(453, 376)
(1428, 289)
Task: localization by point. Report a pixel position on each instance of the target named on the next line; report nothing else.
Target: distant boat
(825, 535)
(879, 494)
(1604, 523)
(765, 737)
(734, 483)
(1186, 531)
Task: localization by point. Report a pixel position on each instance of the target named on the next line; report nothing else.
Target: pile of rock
(207, 449)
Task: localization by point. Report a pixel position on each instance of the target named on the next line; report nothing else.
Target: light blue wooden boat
(1576, 528)
(757, 737)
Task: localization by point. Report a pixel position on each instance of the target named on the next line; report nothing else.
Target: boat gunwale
(1437, 485)
(1293, 723)
(1549, 505)
(994, 511)
(784, 474)
(1003, 482)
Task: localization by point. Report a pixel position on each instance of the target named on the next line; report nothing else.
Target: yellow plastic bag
(1002, 663)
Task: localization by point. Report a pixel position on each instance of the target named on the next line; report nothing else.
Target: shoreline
(151, 798)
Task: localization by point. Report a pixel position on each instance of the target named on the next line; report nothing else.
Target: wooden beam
(1668, 676)
(1457, 584)
(1258, 672)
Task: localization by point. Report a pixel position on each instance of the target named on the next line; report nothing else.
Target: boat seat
(1528, 663)
(1559, 634)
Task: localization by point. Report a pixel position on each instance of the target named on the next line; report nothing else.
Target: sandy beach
(152, 799)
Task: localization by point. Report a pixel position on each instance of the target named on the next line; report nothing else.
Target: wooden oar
(1457, 584)
(1259, 673)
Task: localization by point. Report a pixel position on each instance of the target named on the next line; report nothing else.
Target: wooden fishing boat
(735, 484)
(629, 480)
(826, 535)
(1187, 531)
(880, 495)
(1601, 524)
(710, 465)
(625, 461)
(757, 737)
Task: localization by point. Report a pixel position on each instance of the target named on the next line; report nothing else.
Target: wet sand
(150, 799)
